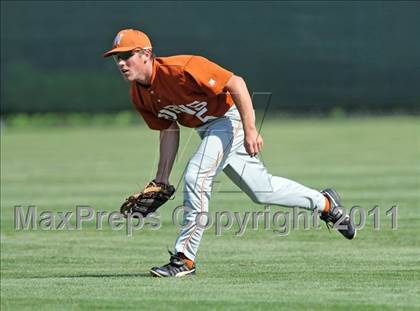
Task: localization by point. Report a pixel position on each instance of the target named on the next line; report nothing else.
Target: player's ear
(147, 53)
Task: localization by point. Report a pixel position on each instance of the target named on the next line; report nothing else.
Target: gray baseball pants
(222, 148)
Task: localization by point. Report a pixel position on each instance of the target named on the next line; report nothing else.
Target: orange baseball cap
(128, 40)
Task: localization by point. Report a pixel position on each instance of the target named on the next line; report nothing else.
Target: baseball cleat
(176, 267)
(335, 215)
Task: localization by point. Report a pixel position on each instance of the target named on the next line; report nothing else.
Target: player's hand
(253, 142)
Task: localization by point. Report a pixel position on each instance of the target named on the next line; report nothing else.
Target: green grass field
(371, 161)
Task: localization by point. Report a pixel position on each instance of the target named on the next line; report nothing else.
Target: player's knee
(195, 175)
(191, 175)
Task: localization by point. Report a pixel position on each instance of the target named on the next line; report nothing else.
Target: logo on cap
(117, 39)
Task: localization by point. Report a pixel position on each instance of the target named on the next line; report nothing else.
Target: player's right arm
(253, 141)
(169, 143)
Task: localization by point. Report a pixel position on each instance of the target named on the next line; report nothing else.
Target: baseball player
(194, 92)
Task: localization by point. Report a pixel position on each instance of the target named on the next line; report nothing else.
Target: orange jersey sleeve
(210, 77)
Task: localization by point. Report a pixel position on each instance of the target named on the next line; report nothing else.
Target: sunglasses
(123, 55)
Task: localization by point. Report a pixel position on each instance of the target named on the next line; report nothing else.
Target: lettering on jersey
(197, 109)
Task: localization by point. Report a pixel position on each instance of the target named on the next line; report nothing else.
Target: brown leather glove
(153, 196)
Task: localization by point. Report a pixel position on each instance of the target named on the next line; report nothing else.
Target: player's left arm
(169, 143)
(236, 86)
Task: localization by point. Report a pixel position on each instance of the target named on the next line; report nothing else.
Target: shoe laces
(330, 216)
(328, 220)
(328, 225)
(173, 260)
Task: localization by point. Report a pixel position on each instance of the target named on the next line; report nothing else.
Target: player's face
(133, 65)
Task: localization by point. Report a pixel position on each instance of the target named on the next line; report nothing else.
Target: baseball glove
(153, 196)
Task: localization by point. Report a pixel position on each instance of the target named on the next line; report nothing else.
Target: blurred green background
(315, 57)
